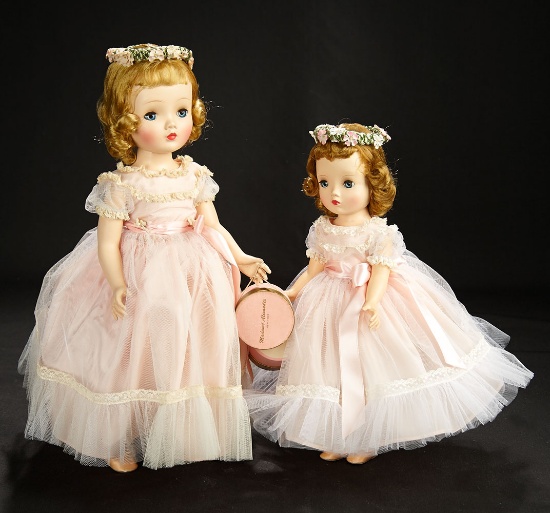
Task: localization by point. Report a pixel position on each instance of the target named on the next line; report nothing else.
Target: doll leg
(118, 466)
(359, 459)
(331, 456)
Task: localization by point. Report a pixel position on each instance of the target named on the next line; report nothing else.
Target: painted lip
(172, 136)
(334, 202)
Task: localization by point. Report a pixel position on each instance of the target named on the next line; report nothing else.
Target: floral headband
(148, 52)
(323, 133)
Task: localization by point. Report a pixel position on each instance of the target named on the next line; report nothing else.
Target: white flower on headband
(324, 133)
(149, 52)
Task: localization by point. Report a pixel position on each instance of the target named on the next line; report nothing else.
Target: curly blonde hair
(381, 183)
(115, 106)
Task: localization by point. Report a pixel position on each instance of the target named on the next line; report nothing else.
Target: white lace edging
(181, 170)
(434, 377)
(328, 227)
(157, 396)
(311, 253)
(338, 248)
(111, 214)
(149, 198)
(316, 391)
(397, 387)
(384, 260)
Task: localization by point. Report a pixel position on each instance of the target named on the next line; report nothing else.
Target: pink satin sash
(441, 338)
(214, 237)
(161, 228)
(351, 376)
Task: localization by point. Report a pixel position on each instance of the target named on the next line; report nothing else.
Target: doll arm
(109, 232)
(253, 267)
(376, 288)
(313, 269)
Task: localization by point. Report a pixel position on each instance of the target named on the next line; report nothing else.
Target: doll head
(131, 70)
(342, 141)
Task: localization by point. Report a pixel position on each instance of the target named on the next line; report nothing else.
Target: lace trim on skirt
(401, 386)
(433, 377)
(158, 396)
(321, 391)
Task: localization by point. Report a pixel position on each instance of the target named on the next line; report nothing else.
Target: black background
(460, 86)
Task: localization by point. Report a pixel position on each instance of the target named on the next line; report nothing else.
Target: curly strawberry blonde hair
(115, 106)
(381, 183)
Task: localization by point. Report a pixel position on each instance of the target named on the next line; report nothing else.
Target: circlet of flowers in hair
(338, 134)
(149, 52)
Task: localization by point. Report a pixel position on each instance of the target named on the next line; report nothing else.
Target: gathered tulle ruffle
(310, 417)
(202, 425)
(161, 385)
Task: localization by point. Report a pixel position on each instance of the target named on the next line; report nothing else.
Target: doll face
(343, 188)
(166, 120)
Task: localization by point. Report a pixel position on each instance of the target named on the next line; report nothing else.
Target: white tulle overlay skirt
(163, 384)
(430, 371)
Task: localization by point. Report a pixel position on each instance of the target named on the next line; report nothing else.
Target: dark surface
(499, 467)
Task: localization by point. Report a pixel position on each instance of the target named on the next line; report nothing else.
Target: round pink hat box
(268, 359)
(265, 320)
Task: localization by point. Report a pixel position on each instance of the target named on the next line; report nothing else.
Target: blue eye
(323, 184)
(182, 113)
(348, 184)
(150, 116)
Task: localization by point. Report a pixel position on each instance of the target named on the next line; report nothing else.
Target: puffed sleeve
(109, 198)
(387, 245)
(206, 186)
(313, 243)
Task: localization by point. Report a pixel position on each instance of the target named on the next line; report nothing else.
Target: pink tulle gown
(431, 370)
(163, 384)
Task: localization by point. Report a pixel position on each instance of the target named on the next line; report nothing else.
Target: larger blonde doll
(135, 355)
(383, 356)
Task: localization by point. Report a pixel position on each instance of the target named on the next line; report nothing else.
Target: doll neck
(155, 161)
(355, 219)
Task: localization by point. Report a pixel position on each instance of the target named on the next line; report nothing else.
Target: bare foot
(117, 466)
(331, 456)
(359, 459)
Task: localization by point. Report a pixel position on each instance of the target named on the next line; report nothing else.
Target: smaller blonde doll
(383, 356)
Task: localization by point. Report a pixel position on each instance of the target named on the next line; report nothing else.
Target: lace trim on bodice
(364, 234)
(149, 197)
(384, 260)
(182, 169)
(111, 214)
(311, 253)
(372, 260)
(325, 224)
(337, 248)
(126, 396)
(396, 387)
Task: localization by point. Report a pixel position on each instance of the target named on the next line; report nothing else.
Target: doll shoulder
(380, 225)
(110, 198)
(206, 188)
(385, 243)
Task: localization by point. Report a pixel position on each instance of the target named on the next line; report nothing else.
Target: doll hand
(374, 321)
(290, 294)
(255, 268)
(119, 303)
